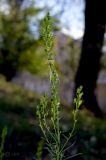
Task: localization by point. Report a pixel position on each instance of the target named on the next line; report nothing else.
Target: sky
(72, 15)
(69, 12)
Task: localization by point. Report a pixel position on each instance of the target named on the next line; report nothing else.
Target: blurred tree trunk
(89, 64)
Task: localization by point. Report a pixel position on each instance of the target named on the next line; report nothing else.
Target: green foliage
(78, 100)
(17, 108)
(4, 133)
(34, 62)
(18, 47)
(17, 105)
(39, 150)
(47, 36)
(53, 139)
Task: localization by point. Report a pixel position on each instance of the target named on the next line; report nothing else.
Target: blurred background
(24, 76)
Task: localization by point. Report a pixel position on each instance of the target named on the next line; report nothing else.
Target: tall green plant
(3, 136)
(39, 150)
(53, 139)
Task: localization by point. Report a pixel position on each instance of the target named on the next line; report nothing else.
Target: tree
(95, 20)
(16, 39)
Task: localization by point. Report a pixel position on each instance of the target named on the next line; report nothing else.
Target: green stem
(71, 134)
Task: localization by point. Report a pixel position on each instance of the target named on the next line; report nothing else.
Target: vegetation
(4, 133)
(19, 50)
(17, 112)
(53, 139)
